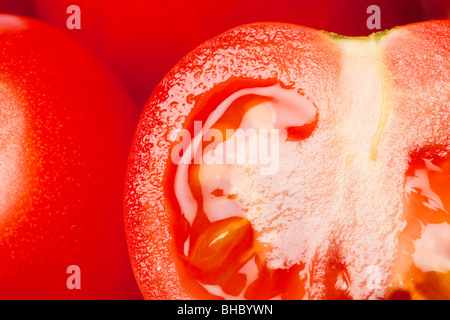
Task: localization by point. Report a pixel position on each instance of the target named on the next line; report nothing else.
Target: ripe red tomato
(65, 127)
(357, 206)
(141, 40)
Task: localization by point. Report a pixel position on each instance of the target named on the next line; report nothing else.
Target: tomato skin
(65, 127)
(141, 40)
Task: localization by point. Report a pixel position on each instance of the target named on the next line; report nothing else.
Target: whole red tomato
(141, 40)
(65, 128)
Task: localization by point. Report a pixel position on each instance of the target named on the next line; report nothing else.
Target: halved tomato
(277, 161)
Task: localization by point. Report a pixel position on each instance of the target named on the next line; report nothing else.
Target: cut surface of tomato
(422, 270)
(220, 249)
(221, 252)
